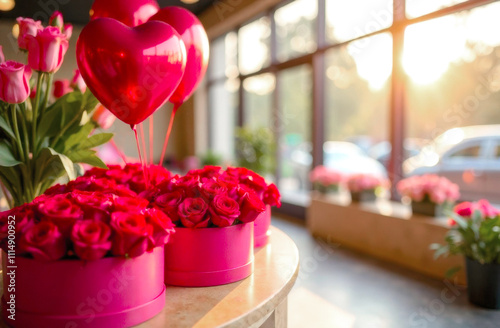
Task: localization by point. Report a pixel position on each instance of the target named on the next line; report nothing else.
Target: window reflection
(223, 57)
(416, 8)
(258, 100)
(296, 29)
(351, 19)
(254, 45)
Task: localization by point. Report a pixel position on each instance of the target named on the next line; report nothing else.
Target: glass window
(223, 56)
(258, 99)
(254, 46)
(347, 20)
(357, 105)
(469, 152)
(497, 152)
(296, 29)
(223, 102)
(416, 8)
(294, 121)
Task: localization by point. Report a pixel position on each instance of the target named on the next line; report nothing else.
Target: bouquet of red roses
(88, 225)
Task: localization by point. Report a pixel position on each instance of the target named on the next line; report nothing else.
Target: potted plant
(364, 187)
(430, 194)
(72, 247)
(475, 234)
(325, 180)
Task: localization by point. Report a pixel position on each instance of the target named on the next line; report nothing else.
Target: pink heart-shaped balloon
(196, 41)
(129, 12)
(131, 71)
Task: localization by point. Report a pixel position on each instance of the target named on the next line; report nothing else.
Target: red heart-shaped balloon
(129, 12)
(196, 41)
(131, 71)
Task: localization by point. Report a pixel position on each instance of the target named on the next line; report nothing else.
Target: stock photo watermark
(11, 268)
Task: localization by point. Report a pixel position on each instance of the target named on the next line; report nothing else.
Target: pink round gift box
(209, 256)
(111, 292)
(261, 228)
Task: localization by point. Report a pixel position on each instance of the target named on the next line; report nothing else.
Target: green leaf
(74, 137)
(59, 114)
(96, 140)
(87, 156)
(95, 161)
(451, 272)
(458, 219)
(4, 126)
(67, 164)
(441, 251)
(6, 157)
(89, 102)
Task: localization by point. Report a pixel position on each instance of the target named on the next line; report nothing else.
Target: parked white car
(468, 156)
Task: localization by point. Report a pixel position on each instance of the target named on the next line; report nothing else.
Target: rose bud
(251, 206)
(192, 213)
(224, 211)
(43, 241)
(91, 239)
(129, 204)
(46, 50)
(61, 87)
(162, 226)
(133, 235)
(272, 196)
(68, 31)
(60, 211)
(27, 26)
(57, 20)
(14, 82)
(169, 202)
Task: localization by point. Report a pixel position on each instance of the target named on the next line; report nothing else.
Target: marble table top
(245, 303)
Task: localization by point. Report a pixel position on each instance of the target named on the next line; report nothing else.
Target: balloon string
(134, 128)
(118, 150)
(146, 167)
(151, 137)
(167, 137)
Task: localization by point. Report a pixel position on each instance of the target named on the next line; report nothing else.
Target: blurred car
(341, 156)
(382, 150)
(468, 156)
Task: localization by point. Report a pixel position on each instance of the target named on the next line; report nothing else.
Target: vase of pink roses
(325, 180)
(430, 194)
(365, 187)
(95, 245)
(475, 234)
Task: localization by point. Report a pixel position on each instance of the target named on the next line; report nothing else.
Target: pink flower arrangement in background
(365, 182)
(88, 225)
(429, 187)
(467, 209)
(323, 177)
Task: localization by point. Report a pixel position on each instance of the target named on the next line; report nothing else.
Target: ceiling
(77, 11)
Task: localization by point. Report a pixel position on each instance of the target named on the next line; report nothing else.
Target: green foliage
(40, 144)
(255, 149)
(211, 158)
(476, 238)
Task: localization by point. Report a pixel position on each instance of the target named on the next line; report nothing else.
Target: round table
(257, 301)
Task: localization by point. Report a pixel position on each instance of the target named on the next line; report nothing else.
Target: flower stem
(35, 113)
(16, 132)
(48, 89)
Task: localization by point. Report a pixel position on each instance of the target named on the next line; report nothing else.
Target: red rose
(55, 190)
(224, 211)
(169, 203)
(251, 206)
(97, 172)
(93, 199)
(128, 204)
(162, 226)
(91, 239)
(464, 209)
(189, 184)
(123, 191)
(208, 171)
(60, 211)
(24, 219)
(192, 213)
(44, 241)
(211, 188)
(118, 175)
(133, 236)
(272, 196)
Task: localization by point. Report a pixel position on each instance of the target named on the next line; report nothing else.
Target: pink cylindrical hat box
(261, 228)
(209, 256)
(110, 292)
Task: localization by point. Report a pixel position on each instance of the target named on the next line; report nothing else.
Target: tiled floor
(338, 288)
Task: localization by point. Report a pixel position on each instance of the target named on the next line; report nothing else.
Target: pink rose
(77, 83)
(464, 209)
(91, 239)
(57, 20)
(60, 211)
(46, 50)
(27, 27)
(61, 87)
(162, 226)
(224, 211)
(14, 82)
(169, 202)
(251, 206)
(486, 209)
(192, 213)
(132, 234)
(43, 241)
(68, 31)
(272, 196)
